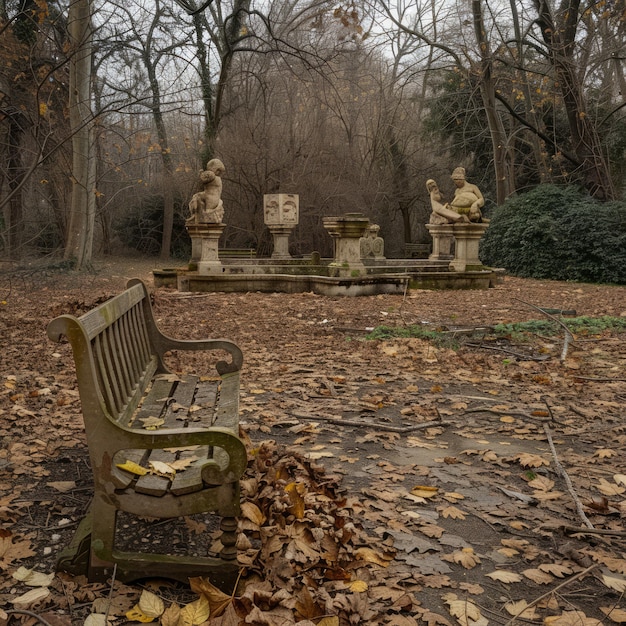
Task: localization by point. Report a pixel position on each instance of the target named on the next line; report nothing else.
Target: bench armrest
(168, 343)
(215, 436)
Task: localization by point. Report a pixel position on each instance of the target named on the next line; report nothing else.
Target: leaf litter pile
(473, 473)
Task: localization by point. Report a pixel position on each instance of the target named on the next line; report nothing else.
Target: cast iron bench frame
(122, 379)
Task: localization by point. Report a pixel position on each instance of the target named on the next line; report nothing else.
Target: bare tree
(79, 243)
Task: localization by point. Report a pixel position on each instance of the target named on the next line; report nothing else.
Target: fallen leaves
(13, 550)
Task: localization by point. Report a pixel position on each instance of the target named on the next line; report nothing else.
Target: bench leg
(103, 518)
(228, 526)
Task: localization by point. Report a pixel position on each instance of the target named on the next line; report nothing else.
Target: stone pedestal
(443, 237)
(204, 248)
(467, 238)
(346, 232)
(281, 213)
(280, 234)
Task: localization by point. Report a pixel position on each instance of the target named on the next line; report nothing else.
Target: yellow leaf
(161, 469)
(296, 492)
(555, 569)
(171, 615)
(465, 557)
(152, 423)
(517, 525)
(508, 552)
(135, 615)
(521, 609)
(537, 576)
(453, 513)
(32, 578)
(30, 597)
(424, 491)
(150, 604)
(358, 586)
(253, 513)
(620, 479)
(465, 611)
(614, 613)
(531, 460)
(133, 468)
(329, 621)
(610, 489)
(504, 576)
(197, 612)
(314, 456)
(571, 618)
(371, 556)
(604, 453)
(453, 495)
(218, 600)
(615, 582)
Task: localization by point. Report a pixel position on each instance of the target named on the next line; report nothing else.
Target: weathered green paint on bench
(122, 379)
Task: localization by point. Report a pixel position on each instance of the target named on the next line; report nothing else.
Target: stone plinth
(443, 237)
(280, 234)
(467, 239)
(346, 232)
(281, 212)
(204, 248)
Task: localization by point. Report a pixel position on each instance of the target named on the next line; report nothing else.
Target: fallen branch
(569, 338)
(390, 428)
(516, 413)
(552, 591)
(524, 357)
(40, 619)
(573, 530)
(600, 379)
(566, 478)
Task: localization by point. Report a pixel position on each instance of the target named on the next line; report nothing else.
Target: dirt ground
(465, 468)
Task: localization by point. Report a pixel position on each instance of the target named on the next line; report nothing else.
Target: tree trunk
(16, 172)
(560, 40)
(502, 158)
(79, 242)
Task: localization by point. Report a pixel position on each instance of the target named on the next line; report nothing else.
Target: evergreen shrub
(558, 233)
(142, 227)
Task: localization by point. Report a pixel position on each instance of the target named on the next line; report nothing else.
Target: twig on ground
(390, 428)
(574, 530)
(569, 338)
(524, 357)
(566, 478)
(40, 619)
(106, 615)
(486, 409)
(599, 379)
(549, 593)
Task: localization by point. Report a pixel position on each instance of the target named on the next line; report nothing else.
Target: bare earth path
(465, 521)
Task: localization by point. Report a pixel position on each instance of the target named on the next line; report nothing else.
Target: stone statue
(372, 245)
(206, 206)
(464, 207)
(468, 200)
(442, 213)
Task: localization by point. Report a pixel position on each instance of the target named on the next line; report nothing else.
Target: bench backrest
(113, 353)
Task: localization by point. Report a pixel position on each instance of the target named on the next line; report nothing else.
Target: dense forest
(109, 109)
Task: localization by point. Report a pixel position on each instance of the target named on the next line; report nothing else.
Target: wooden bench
(136, 410)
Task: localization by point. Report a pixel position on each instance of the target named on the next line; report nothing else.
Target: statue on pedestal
(206, 206)
(464, 207)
